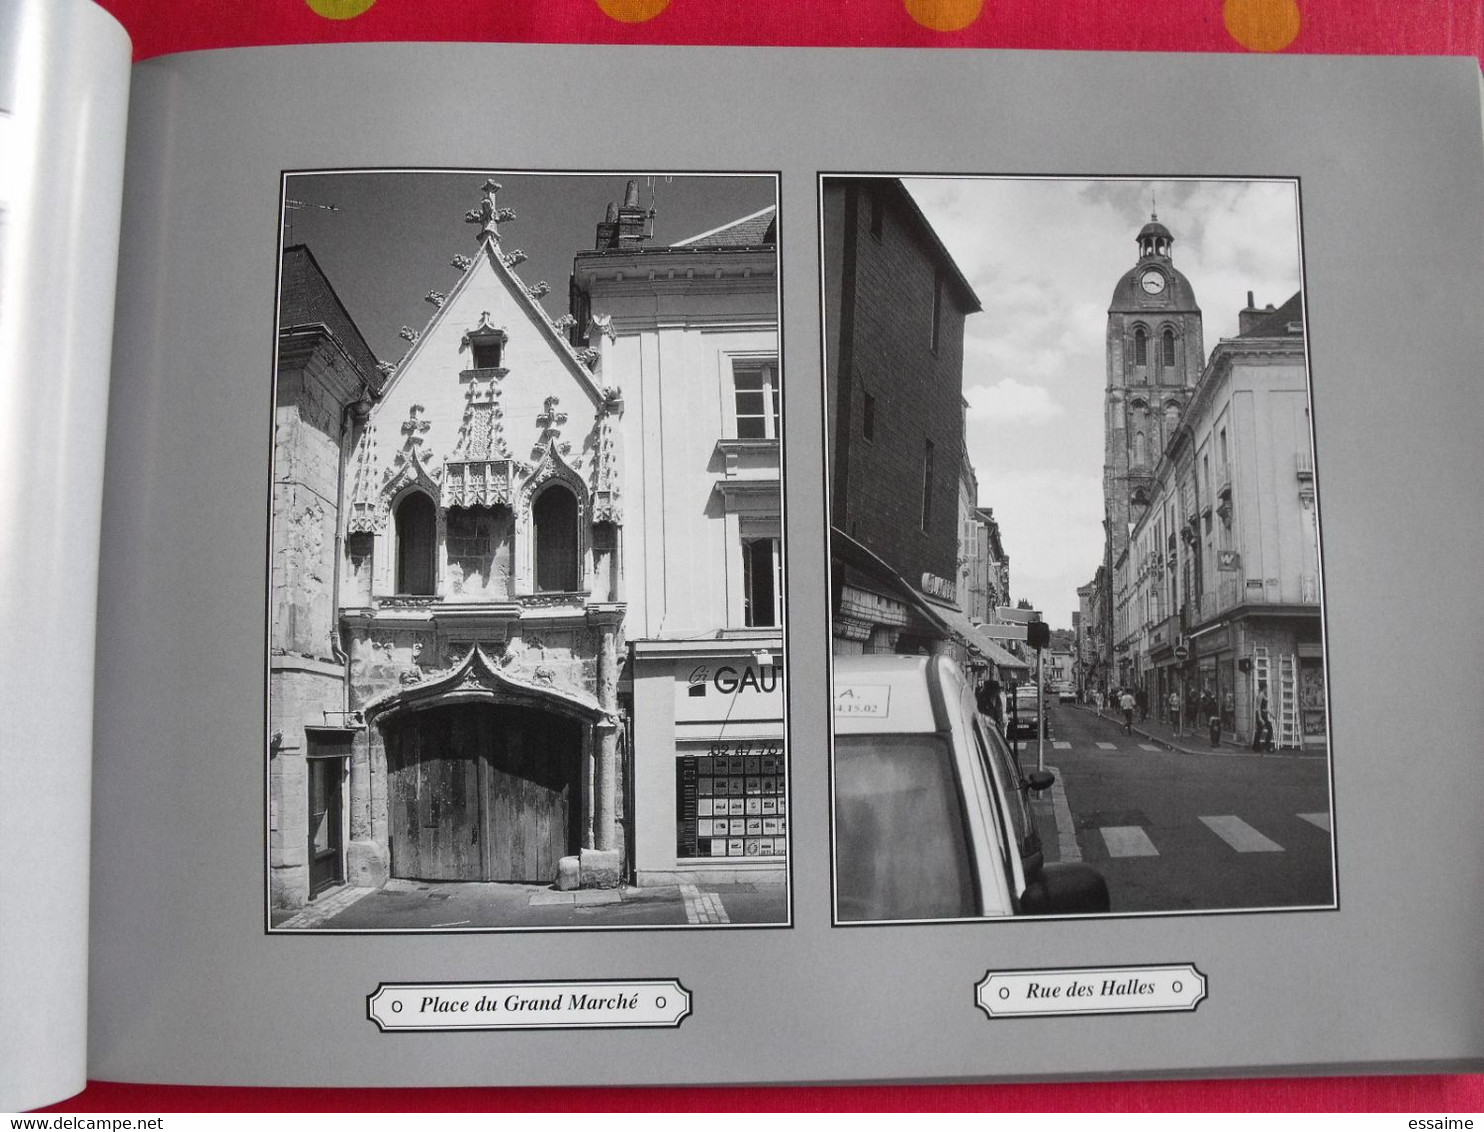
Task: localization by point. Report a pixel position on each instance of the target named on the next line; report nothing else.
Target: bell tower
(1155, 358)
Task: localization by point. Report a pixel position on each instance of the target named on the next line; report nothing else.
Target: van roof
(890, 694)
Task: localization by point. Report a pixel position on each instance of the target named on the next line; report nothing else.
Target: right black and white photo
(1076, 588)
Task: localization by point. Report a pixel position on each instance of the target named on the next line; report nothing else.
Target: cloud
(1009, 401)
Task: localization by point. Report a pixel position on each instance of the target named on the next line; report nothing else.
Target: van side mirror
(1039, 780)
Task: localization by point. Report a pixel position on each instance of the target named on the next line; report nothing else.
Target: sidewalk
(1197, 743)
(410, 905)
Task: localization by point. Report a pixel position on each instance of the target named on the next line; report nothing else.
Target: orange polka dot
(633, 11)
(1262, 25)
(944, 15)
(339, 9)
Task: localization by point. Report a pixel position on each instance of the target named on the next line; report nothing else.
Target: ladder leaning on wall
(1289, 734)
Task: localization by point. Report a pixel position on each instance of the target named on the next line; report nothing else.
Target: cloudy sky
(1044, 256)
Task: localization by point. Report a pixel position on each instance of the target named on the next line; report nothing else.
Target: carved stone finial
(564, 324)
(539, 290)
(386, 368)
(462, 262)
(604, 324)
(409, 334)
(587, 356)
(514, 258)
(489, 215)
(437, 298)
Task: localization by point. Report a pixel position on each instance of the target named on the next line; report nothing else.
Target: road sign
(1002, 632)
(1017, 616)
(1182, 652)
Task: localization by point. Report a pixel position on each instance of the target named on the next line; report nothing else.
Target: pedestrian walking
(1262, 732)
(1175, 711)
(1211, 714)
(1141, 697)
(1126, 704)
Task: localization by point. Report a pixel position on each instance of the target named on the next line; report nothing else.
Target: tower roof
(1153, 228)
(1129, 296)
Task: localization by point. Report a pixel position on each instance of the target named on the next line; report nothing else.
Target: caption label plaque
(601, 1004)
(1090, 990)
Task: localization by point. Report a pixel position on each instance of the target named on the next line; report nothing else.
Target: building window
(937, 308)
(1141, 347)
(1169, 348)
(486, 354)
(554, 516)
(868, 418)
(762, 583)
(756, 388)
(417, 542)
(878, 213)
(927, 483)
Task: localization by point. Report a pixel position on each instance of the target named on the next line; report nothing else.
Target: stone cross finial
(489, 215)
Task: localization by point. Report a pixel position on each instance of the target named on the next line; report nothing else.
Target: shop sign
(940, 588)
(733, 688)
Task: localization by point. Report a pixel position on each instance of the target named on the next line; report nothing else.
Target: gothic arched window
(554, 516)
(1141, 347)
(1169, 348)
(1141, 453)
(417, 544)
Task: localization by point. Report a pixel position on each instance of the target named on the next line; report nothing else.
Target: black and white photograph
(526, 646)
(1076, 588)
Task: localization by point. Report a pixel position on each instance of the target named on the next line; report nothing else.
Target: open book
(444, 649)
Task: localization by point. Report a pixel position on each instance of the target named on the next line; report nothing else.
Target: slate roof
(1277, 323)
(758, 230)
(307, 299)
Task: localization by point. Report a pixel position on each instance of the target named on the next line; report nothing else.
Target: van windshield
(900, 847)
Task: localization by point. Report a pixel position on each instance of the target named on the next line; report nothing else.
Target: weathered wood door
(482, 792)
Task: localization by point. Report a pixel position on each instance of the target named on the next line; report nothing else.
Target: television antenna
(290, 206)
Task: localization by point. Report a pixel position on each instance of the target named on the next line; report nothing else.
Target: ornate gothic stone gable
(477, 678)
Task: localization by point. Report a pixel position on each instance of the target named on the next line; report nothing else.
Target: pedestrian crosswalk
(1134, 841)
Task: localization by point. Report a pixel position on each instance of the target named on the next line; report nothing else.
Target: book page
(64, 75)
(456, 732)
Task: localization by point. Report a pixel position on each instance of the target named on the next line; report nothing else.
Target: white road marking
(1107, 747)
(1241, 836)
(1128, 841)
(1066, 830)
(703, 907)
(1321, 820)
(1149, 747)
(1062, 745)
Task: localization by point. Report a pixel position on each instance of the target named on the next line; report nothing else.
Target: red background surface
(1367, 27)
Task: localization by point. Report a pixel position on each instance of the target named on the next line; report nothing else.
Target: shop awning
(969, 635)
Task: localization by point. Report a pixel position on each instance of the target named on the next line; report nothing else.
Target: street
(1176, 831)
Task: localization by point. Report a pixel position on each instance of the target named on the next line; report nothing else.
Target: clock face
(1152, 282)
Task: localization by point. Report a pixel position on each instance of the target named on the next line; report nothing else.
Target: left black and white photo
(526, 591)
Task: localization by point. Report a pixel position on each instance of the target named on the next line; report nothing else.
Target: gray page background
(187, 987)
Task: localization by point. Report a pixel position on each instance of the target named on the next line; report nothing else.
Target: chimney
(1248, 317)
(631, 218)
(624, 227)
(607, 236)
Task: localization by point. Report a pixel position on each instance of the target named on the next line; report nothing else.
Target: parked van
(931, 817)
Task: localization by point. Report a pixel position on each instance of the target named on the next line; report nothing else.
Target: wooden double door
(484, 792)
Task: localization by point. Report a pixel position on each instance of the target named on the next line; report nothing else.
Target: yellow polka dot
(944, 15)
(339, 9)
(1262, 25)
(633, 11)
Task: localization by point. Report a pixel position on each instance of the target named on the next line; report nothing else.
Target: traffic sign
(1182, 652)
(1017, 616)
(1002, 632)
